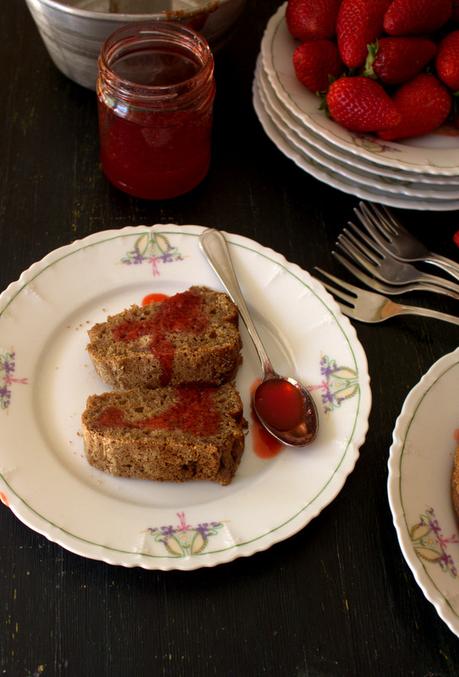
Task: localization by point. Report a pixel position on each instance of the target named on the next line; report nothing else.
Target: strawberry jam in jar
(155, 92)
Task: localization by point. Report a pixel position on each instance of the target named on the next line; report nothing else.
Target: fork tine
(372, 225)
(338, 292)
(386, 218)
(348, 248)
(374, 219)
(361, 244)
(347, 310)
(359, 274)
(367, 238)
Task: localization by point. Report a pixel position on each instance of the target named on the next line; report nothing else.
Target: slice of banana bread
(191, 337)
(171, 433)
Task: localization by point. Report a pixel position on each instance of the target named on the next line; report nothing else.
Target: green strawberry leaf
(368, 70)
(323, 103)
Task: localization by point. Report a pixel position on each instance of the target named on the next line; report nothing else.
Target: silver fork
(366, 306)
(397, 241)
(362, 249)
(389, 289)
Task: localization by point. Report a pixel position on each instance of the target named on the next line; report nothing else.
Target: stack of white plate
(421, 173)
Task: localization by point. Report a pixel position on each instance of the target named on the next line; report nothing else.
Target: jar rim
(145, 31)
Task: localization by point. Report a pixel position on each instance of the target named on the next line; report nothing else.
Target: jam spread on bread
(193, 412)
(182, 312)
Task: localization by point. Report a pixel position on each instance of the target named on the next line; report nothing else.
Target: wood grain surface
(337, 599)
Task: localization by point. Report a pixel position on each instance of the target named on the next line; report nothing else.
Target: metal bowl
(74, 30)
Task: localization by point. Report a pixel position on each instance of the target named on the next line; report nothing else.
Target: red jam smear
(456, 238)
(155, 297)
(181, 313)
(264, 444)
(279, 404)
(194, 412)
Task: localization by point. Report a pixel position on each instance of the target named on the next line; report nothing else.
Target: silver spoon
(283, 405)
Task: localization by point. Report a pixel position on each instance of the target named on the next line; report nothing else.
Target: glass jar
(155, 92)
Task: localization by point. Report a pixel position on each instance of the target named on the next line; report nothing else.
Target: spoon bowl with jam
(283, 405)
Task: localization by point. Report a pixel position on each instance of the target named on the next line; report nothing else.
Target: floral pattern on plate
(338, 384)
(185, 540)
(430, 543)
(154, 249)
(7, 377)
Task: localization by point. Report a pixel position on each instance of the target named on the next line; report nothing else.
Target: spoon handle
(214, 247)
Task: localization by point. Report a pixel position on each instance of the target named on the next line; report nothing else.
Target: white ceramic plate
(419, 484)
(386, 176)
(353, 174)
(46, 376)
(332, 178)
(432, 154)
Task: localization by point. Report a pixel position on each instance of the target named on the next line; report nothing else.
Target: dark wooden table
(337, 598)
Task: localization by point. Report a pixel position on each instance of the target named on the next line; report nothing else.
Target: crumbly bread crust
(158, 454)
(455, 483)
(210, 357)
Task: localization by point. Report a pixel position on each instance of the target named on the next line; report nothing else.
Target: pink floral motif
(372, 144)
(7, 378)
(338, 383)
(430, 544)
(153, 248)
(183, 539)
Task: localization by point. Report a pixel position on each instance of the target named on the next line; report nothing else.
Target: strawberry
(361, 105)
(423, 103)
(312, 19)
(315, 62)
(358, 24)
(414, 17)
(397, 60)
(456, 11)
(447, 62)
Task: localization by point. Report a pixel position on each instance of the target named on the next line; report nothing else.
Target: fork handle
(439, 281)
(444, 263)
(426, 312)
(421, 286)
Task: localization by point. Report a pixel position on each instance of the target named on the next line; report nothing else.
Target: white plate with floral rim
(331, 177)
(353, 174)
(46, 376)
(419, 485)
(422, 183)
(436, 154)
